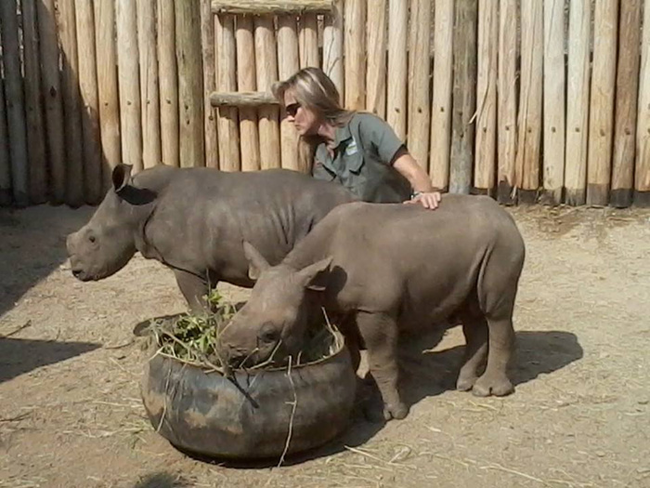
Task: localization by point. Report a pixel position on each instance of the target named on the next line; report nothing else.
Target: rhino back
(385, 252)
(203, 216)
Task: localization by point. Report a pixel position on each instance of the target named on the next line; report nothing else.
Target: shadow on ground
(20, 356)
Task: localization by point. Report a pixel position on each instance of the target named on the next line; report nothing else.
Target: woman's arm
(424, 192)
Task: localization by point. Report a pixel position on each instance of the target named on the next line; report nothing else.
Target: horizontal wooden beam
(242, 99)
(261, 7)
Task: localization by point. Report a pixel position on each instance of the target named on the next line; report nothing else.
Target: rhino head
(107, 242)
(275, 319)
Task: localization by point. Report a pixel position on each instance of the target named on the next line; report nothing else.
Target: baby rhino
(392, 268)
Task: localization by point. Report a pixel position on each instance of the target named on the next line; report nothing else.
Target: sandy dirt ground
(70, 367)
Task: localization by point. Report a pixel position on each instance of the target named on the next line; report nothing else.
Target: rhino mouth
(81, 275)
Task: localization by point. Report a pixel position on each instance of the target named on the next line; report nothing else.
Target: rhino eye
(92, 239)
(269, 334)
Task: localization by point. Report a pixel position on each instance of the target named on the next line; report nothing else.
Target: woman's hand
(429, 200)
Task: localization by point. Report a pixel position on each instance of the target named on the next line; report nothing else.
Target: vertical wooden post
(376, 72)
(209, 86)
(419, 105)
(250, 151)
(5, 160)
(35, 128)
(486, 96)
(49, 49)
(228, 124)
(92, 161)
(530, 101)
(168, 83)
(575, 173)
(190, 82)
(109, 109)
(71, 103)
(442, 86)
(308, 40)
(333, 46)
(642, 176)
(554, 103)
(288, 64)
(397, 66)
(129, 83)
(355, 54)
(267, 72)
(601, 120)
(15, 103)
(507, 93)
(149, 92)
(627, 89)
(464, 96)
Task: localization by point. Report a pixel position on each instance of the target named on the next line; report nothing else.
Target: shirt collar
(342, 134)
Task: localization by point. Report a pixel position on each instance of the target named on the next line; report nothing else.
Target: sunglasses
(292, 108)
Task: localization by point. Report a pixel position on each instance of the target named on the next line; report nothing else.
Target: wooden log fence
(528, 101)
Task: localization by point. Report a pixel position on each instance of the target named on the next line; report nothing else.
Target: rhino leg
(193, 289)
(475, 329)
(501, 343)
(379, 333)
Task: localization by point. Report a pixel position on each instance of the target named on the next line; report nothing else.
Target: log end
(575, 198)
(597, 195)
(620, 198)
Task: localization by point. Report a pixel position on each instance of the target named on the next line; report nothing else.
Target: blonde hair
(314, 90)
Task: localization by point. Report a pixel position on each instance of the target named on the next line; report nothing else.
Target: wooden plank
(627, 90)
(190, 82)
(149, 91)
(419, 104)
(168, 77)
(397, 66)
(255, 7)
(5, 161)
(38, 181)
(246, 81)
(209, 86)
(71, 103)
(601, 119)
(355, 54)
(486, 96)
(575, 173)
(129, 83)
(15, 101)
(554, 102)
(376, 72)
(442, 88)
(333, 46)
(54, 125)
(228, 121)
(308, 41)
(92, 155)
(288, 64)
(109, 108)
(642, 174)
(464, 96)
(267, 73)
(530, 101)
(507, 110)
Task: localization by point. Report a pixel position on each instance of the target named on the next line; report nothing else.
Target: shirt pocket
(355, 163)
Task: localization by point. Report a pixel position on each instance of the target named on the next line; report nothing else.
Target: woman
(359, 150)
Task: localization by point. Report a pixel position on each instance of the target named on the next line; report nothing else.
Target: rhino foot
(466, 383)
(488, 385)
(398, 411)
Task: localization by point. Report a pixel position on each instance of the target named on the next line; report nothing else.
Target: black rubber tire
(207, 414)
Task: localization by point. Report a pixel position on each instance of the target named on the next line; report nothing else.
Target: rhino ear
(121, 176)
(256, 261)
(312, 276)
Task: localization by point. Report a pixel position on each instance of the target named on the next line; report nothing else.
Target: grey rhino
(195, 220)
(395, 269)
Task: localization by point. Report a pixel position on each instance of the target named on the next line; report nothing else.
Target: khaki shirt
(362, 160)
